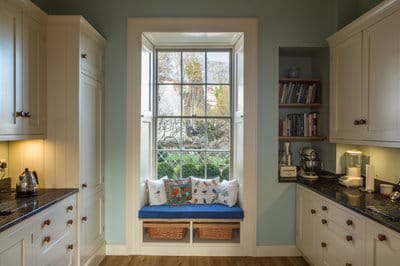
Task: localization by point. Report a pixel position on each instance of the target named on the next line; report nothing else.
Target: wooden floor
(201, 261)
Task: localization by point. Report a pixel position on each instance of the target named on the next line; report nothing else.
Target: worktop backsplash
(386, 160)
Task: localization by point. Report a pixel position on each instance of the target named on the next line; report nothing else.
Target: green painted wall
(281, 23)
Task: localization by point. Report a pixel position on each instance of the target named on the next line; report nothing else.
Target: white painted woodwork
(23, 75)
(365, 65)
(16, 246)
(136, 28)
(385, 252)
(74, 144)
(364, 247)
(10, 65)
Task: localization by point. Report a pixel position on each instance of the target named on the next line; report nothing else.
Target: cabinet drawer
(56, 220)
(345, 219)
(60, 252)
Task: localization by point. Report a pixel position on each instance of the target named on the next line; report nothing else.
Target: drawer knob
(349, 222)
(324, 208)
(84, 185)
(313, 211)
(70, 247)
(381, 237)
(70, 222)
(46, 239)
(349, 238)
(84, 218)
(46, 222)
(323, 221)
(348, 264)
(323, 244)
(84, 56)
(70, 208)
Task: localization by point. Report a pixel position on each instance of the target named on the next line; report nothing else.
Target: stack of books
(298, 92)
(300, 125)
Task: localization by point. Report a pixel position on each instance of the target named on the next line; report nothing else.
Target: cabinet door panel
(15, 246)
(382, 53)
(346, 89)
(10, 65)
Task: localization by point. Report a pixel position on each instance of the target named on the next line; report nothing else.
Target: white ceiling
(193, 38)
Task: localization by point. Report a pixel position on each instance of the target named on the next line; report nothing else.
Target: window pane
(191, 161)
(169, 67)
(168, 133)
(218, 67)
(218, 100)
(219, 134)
(194, 100)
(193, 67)
(169, 100)
(194, 133)
(168, 164)
(220, 160)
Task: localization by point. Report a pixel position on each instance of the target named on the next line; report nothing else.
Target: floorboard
(201, 261)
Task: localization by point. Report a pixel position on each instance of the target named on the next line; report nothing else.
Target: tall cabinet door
(10, 66)
(382, 55)
(34, 80)
(346, 89)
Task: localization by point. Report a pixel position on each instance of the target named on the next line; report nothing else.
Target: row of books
(300, 125)
(298, 92)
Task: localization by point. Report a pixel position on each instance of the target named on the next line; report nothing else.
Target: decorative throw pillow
(227, 192)
(157, 193)
(178, 191)
(204, 191)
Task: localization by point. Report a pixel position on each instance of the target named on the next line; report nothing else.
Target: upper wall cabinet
(365, 72)
(23, 70)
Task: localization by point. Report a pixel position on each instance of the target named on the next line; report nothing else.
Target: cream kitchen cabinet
(74, 144)
(365, 90)
(16, 245)
(23, 75)
(382, 245)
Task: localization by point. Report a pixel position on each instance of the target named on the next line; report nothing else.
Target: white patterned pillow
(157, 193)
(227, 192)
(204, 191)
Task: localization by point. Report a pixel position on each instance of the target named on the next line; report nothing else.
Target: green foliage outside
(212, 170)
(165, 169)
(225, 173)
(189, 170)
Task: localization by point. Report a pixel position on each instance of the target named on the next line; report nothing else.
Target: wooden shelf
(300, 105)
(300, 80)
(301, 138)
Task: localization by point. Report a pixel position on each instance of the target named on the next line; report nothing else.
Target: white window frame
(249, 28)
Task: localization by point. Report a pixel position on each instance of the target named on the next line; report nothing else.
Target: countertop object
(362, 202)
(14, 210)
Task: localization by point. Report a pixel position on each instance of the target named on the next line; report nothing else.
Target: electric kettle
(27, 184)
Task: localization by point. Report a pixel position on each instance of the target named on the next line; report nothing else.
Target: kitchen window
(193, 121)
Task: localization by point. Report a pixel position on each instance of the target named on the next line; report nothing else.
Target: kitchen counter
(22, 208)
(354, 199)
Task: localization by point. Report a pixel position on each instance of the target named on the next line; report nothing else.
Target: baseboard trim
(117, 250)
(277, 251)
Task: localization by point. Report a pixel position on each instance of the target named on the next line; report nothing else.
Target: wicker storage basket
(222, 231)
(172, 231)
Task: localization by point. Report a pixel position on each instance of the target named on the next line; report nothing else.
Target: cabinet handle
(349, 222)
(313, 211)
(70, 247)
(348, 264)
(381, 237)
(323, 221)
(324, 208)
(356, 122)
(46, 222)
(323, 244)
(70, 208)
(349, 238)
(84, 56)
(70, 222)
(46, 239)
(360, 122)
(84, 185)
(26, 115)
(84, 218)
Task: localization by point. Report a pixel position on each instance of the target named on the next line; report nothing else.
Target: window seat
(191, 211)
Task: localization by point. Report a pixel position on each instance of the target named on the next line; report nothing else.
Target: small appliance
(309, 163)
(286, 167)
(353, 170)
(27, 184)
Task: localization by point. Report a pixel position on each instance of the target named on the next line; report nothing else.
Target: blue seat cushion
(191, 211)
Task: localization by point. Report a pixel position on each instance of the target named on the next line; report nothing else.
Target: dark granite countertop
(23, 208)
(354, 199)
